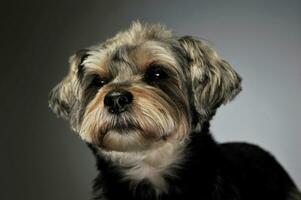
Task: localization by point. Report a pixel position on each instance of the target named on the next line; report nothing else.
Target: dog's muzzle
(118, 101)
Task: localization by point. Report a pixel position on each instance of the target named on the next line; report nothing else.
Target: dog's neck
(152, 165)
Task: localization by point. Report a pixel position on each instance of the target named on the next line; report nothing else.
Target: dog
(143, 101)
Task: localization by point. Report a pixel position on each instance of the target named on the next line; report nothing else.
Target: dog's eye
(98, 82)
(155, 73)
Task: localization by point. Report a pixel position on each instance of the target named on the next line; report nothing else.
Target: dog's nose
(117, 101)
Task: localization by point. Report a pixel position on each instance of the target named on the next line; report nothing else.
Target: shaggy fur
(142, 101)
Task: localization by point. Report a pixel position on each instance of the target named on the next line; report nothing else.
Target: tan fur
(157, 119)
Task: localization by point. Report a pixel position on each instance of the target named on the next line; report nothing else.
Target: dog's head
(142, 88)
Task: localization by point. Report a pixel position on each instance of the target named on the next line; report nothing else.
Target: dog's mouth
(121, 127)
(127, 137)
(123, 138)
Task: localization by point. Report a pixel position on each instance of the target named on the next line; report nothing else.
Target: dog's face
(142, 88)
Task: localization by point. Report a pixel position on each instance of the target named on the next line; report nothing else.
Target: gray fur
(214, 81)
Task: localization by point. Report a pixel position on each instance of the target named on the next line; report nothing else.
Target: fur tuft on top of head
(138, 33)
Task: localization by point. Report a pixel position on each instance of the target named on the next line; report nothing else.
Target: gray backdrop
(42, 159)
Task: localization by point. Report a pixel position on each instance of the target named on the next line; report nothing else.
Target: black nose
(117, 101)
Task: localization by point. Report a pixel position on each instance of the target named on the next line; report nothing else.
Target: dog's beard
(151, 119)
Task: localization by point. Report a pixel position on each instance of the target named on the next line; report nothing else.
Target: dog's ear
(213, 80)
(62, 97)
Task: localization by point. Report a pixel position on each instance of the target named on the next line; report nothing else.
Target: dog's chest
(152, 167)
(145, 172)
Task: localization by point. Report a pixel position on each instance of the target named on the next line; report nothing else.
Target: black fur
(212, 171)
